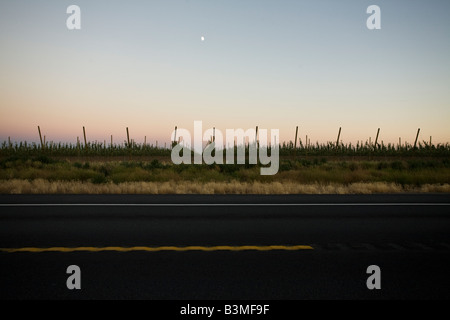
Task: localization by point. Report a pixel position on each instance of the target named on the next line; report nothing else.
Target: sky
(273, 64)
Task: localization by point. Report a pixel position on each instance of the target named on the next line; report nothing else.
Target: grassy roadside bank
(43, 174)
(41, 186)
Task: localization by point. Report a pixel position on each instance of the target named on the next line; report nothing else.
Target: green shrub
(155, 164)
(353, 166)
(105, 171)
(382, 165)
(397, 165)
(78, 165)
(99, 179)
(305, 163)
(44, 159)
(229, 168)
(285, 166)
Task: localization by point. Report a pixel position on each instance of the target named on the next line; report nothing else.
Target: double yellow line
(156, 249)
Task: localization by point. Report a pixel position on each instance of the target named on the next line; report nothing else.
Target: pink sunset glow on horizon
(161, 65)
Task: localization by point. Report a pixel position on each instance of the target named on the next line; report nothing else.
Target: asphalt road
(407, 236)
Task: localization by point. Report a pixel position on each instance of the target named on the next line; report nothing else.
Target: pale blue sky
(276, 64)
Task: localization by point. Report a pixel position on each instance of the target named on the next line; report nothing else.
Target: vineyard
(129, 167)
(422, 149)
(129, 148)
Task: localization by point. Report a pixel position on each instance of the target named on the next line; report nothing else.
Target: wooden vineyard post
(417, 136)
(295, 141)
(376, 139)
(306, 145)
(339, 135)
(40, 137)
(174, 142)
(85, 140)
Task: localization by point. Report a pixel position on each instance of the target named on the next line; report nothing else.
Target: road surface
(225, 247)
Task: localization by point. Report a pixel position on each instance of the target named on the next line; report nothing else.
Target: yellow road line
(155, 249)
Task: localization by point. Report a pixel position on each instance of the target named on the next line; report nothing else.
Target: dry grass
(40, 186)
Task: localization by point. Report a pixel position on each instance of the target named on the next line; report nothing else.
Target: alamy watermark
(73, 22)
(243, 142)
(74, 280)
(374, 20)
(374, 280)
